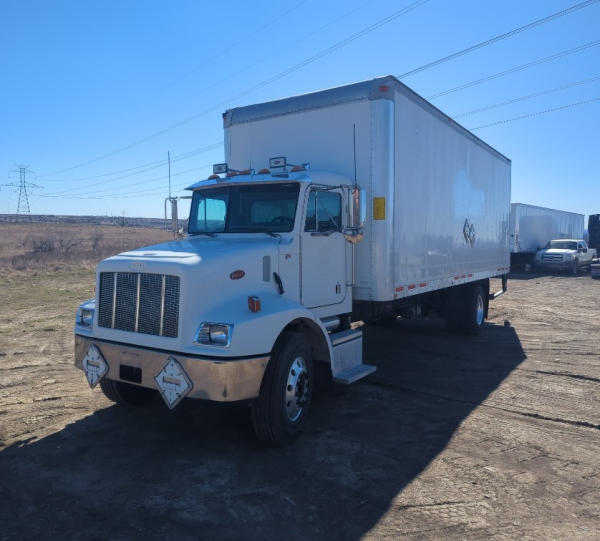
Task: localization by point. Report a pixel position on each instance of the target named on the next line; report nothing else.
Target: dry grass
(26, 247)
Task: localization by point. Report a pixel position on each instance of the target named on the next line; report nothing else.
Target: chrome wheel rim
(479, 311)
(296, 391)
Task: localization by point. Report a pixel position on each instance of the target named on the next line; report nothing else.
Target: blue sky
(93, 91)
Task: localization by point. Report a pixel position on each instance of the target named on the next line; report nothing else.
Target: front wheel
(574, 267)
(281, 410)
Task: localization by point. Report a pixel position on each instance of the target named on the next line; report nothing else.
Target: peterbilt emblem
(137, 265)
(469, 232)
(237, 274)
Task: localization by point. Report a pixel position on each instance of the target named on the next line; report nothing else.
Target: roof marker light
(280, 161)
(297, 168)
(214, 177)
(264, 172)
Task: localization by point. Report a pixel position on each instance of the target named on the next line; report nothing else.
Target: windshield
(562, 245)
(269, 208)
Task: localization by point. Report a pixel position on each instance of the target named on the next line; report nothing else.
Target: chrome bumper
(212, 379)
(554, 264)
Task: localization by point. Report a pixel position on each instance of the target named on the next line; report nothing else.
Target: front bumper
(555, 265)
(212, 379)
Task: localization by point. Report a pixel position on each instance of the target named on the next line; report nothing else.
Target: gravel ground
(456, 437)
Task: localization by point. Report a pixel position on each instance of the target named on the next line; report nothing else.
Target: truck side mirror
(358, 215)
(358, 208)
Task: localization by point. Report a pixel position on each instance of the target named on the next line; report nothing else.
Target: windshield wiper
(255, 230)
(208, 233)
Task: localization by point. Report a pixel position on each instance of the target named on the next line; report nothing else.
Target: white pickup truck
(404, 212)
(565, 254)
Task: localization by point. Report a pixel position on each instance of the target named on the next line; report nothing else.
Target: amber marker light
(254, 304)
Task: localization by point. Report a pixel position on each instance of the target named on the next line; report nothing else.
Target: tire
(466, 308)
(574, 267)
(126, 394)
(280, 412)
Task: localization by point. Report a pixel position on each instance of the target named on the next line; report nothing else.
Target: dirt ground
(495, 436)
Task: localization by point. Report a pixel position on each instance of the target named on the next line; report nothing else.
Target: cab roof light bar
(279, 162)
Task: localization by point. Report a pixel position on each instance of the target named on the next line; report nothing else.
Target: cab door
(323, 257)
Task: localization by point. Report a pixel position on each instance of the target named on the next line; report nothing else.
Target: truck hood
(193, 252)
(206, 268)
(558, 251)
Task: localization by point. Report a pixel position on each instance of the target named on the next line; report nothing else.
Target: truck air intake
(139, 302)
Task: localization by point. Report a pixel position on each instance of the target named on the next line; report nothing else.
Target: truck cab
(248, 306)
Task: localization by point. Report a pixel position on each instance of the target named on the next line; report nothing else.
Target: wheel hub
(296, 391)
(480, 310)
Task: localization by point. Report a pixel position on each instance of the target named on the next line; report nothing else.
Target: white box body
(531, 227)
(435, 176)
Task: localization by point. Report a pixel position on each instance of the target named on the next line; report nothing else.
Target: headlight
(85, 313)
(214, 334)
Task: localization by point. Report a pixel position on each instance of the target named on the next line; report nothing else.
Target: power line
(145, 181)
(144, 193)
(143, 166)
(527, 97)
(336, 46)
(160, 164)
(537, 113)
(515, 69)
(499, 37)
(265, 82)
(288, 46)
(220, 81)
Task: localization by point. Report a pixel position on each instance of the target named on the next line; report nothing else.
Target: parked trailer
(532, 227)
(402, 211)
(594, 232)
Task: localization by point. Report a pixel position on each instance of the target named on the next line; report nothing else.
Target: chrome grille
(552, 257)
(139, 302)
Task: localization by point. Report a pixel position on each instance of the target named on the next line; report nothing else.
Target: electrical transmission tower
(23, 208)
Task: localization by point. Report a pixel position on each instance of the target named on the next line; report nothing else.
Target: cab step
(350, 375)
(347, 366)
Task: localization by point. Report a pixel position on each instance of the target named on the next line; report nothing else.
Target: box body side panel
(446, 194)
(452, 203)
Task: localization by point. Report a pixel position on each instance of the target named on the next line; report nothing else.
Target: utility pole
(169, 160)
(23, 208)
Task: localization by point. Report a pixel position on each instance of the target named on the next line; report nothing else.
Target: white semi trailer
(401, 212)
(532, 227)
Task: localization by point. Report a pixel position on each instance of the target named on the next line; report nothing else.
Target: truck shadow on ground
(197, 472)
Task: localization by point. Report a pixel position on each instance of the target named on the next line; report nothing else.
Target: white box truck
(401, 212)
(532, 227)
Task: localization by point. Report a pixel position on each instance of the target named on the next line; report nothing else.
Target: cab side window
(324, 212)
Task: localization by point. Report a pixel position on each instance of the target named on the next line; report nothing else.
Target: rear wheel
(466, 308)
(125, 393)
(281, 410)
